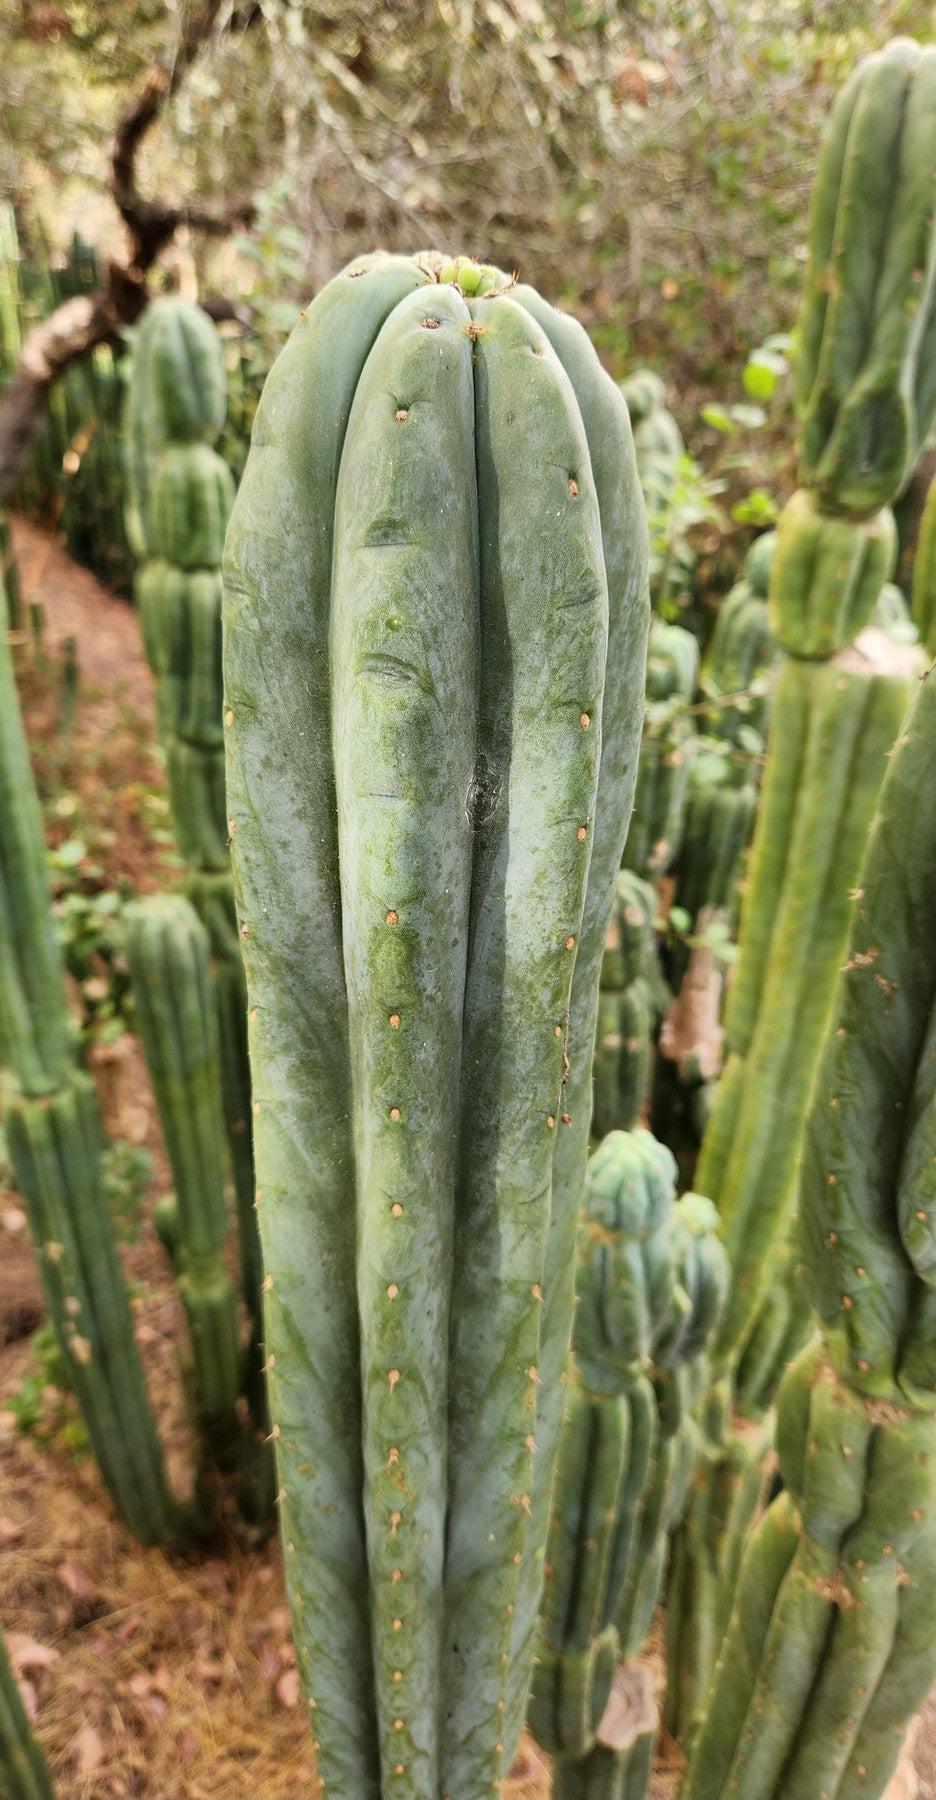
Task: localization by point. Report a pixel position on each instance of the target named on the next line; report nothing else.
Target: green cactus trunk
(834, 1606)
(54, 1136)
(168, 953)
(923, 588)
(865, 380)
(631, 1002)
(181, 495)
(24, 1772)
(401, 706)
(833, 727)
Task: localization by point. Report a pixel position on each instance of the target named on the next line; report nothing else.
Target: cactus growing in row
(24, 1772)
(834, 1606)
(53, 1132)
(181, 495)
(632, 999)
(168, 952)
(651, 1280)
(412, 662)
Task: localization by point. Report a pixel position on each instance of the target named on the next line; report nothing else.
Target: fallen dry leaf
(77, 1580)
(89, 1750)
(29, 1697)
(26, 1653)
(287, 1688)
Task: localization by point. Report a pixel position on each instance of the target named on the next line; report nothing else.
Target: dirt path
(106, 628)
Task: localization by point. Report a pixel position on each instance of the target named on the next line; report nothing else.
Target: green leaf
(717, 417)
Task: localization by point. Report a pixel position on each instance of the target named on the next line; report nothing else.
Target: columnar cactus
(24, 1772)
(631, 1002)
(665, 753)
(53, 1132)
(9, 576)
(923, 587)
(651, 1280)
(834, 724)
(834, 1606)
(414, 660)
(168, 953)
(738, 663)
(658, 440)
(181, 494)
(864, 373)
(721, 806)
(181, 499)
(866, 400)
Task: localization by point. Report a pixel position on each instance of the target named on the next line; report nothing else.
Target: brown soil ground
(147, 1675)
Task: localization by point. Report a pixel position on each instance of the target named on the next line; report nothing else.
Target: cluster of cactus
(411, 666)
(183, 952)
(650, 1283)
(53, 1133)
(837, 1641)
(831, 1645)
(865, 404)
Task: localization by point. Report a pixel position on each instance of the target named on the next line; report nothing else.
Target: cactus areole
(435, 638)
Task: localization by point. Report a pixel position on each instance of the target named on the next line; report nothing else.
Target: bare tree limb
(79, 325)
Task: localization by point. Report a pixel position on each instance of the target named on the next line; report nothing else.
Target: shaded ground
(148, 1676)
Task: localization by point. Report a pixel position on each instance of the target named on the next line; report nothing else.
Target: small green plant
(677, 507)
(88, 913)
(42, 1405)
(126, 1174)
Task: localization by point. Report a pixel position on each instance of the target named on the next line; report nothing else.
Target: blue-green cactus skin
(394, 802)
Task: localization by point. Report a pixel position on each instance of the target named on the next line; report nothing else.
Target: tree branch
(79, 325)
